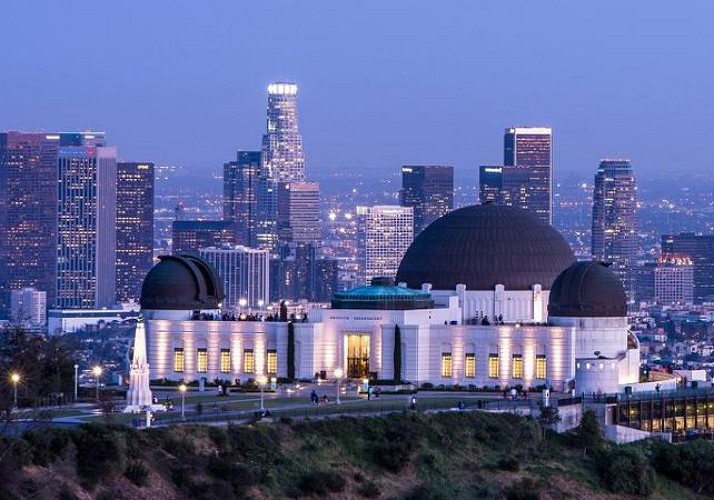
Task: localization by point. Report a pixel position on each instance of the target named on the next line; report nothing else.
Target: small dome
(382, 294)
(184, 283)
(587, 290)
(482, 246)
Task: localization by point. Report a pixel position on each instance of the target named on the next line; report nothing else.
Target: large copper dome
(485, 245)
(181, 283)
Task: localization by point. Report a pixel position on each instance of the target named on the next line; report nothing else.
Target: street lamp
(242, 303)
(182, 389)
(97, 371)
(76, 379)
(338, 376)
(15, 378)
(262, 380)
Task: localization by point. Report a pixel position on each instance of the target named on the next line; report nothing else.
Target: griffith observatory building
(487, 295)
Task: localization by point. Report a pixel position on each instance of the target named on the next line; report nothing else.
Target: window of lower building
(470, 365)
(541, 366)
(202, 366)
(518, 366)
(493, 365)
(248, 361)
(272, 361)
(225, 361)
(446, 366)
(178, 359)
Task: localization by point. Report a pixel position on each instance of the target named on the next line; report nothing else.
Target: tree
(291, 350)
(587, 435)
(397, 354)
(547, 417)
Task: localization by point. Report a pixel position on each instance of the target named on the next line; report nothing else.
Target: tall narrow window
(225, 364)
(446, 367)
(272, 361)
(518, 366)
(541, 372)
(248, 361)
(493, 365)
(202, 361)
(470, 365)
(178, 360)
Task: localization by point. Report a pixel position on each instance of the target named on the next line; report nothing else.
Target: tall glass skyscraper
(531, 148)
(384, 233)
(614, 226)
(283, 156)
(135, 227)
(429, 189)
(240, 195)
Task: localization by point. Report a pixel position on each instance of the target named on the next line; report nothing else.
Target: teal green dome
(382, 294)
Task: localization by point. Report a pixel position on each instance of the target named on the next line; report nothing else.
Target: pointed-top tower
(138, 397)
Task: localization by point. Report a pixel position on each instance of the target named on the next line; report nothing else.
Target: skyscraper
(532, 148)
(384, 232)
(300, 273)
(189, 236)
(515, 187)
(135, 227)
(86, 229)
(240, 195)
(298, 212)
(28, 214)
(429, 189)
(614, 225)
(244, 273)
(700, 249)
(283, 156)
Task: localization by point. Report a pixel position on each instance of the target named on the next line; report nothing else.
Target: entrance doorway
(357, 356)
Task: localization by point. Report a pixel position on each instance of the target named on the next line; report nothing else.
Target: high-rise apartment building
(298, 212)
(240, 195)
(384, 233)
(245, 273)
(674, 280)
(429, 190)
(86, 227)
(28, 214)
(283, 156)
(700, 249)
(135, 227)
(614, 224)
(189, 236)
(532, 148)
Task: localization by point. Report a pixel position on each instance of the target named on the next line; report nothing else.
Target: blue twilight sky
(382, 83)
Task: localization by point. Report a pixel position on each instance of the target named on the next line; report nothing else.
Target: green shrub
(626, 470)
(509, 463)
(137, 473)
(49, 445)
(369, 490)
(321, 483)
(100, 453)
(525, 489)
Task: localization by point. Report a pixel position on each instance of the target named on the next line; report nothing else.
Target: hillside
(408, 456)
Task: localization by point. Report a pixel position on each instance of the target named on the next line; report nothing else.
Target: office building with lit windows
(674, 280)
(283, 156)
(429, 190)
(485, 296)
(700, 249)
(240, 195)
(298, 212)
(189, 236)
(614, 222)
(384, 232)
(135, 227)
(530, 149)
(244, 274)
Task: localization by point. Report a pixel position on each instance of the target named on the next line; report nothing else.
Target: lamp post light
(182, 390)
(338, 376)
(15, 378)
(262, 380)
(76, 381)
(97, 371)
(241, 303)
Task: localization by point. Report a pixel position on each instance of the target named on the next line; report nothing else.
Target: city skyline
(378, 102)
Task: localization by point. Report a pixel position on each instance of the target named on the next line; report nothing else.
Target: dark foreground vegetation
(407, 456)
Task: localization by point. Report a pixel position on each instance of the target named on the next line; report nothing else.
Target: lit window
(541, 372)
(493, 365)
(248, 361)
(470, 368)
(178, 360)
(446, 368)
(517, 366)
(225, 360)
(272, 361)
(202, 361)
